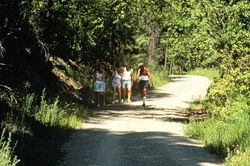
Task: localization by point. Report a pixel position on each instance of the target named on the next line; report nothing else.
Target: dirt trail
(130, 135)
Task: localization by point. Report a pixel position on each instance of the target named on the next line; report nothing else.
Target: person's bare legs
(102, 96)
(119, 94)
(123, 93)
(114, 91)
(144, 96)
(129, 94)
(144, 93)
(98, 99)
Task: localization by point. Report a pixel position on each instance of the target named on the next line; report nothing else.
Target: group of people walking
(121, 78)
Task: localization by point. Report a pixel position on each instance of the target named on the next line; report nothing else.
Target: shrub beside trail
(226, 130)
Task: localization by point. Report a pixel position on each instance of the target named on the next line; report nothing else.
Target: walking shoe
(98, 105)
(113, 102)
(129, 101)
(103, 103)
(123, 100)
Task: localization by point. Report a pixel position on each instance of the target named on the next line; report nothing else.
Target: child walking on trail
(127, 82)
(143, 75)
(98, 85)
(116, 82)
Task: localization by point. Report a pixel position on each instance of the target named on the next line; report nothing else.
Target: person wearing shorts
(115, 82)
(144, 76)
(98, 85)
(127, 82)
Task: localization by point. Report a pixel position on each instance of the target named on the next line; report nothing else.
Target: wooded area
(41, 38)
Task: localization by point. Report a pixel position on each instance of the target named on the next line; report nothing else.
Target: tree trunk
(166, 54)
(180, 69)
(170, 68)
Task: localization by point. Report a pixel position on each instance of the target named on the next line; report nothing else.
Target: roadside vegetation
(49, 51)
(211, 73)
(39, 125)
(224, 130)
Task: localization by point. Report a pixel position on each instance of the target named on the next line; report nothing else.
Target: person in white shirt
(116, 81)
(127, 82)
(98, 84)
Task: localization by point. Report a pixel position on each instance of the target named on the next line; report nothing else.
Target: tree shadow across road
(136, 110)
(131, 135)
(103, 147)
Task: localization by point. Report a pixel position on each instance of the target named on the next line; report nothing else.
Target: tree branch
(113, 3)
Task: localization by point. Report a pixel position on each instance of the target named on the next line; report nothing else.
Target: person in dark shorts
(144, 76)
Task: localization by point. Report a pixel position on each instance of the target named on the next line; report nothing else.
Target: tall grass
(227, 132)
(42, 118)
(48, 111)
(210, 73)
(160, 77)
(159, 74)
(6, 152)
(56, 113)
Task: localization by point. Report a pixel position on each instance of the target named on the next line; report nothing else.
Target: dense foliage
(226, 132)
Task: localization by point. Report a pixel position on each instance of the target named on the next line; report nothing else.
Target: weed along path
(130, 135)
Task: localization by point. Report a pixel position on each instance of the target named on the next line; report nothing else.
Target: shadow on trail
(127, 106)
(111, 112)
(152, 94)
(131, 135)
(178, 78)
(114, 148)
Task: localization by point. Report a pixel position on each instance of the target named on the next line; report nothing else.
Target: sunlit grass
(50, 112)
(210, 73)
(226, 133)
(160, 77)
(239, 159)
(6, 152)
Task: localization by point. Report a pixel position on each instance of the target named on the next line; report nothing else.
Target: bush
(230, 86)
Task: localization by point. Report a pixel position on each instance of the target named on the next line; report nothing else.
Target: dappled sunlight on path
(131, 135)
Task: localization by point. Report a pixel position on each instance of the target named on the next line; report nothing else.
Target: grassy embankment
(36, 127)
(225, 131)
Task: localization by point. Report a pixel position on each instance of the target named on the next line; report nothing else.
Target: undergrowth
(7, 158)
(39, 125)
(226, 130)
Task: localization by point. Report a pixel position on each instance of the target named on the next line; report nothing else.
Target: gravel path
(130, 135)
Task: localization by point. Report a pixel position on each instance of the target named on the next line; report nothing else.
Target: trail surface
(130, 135)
